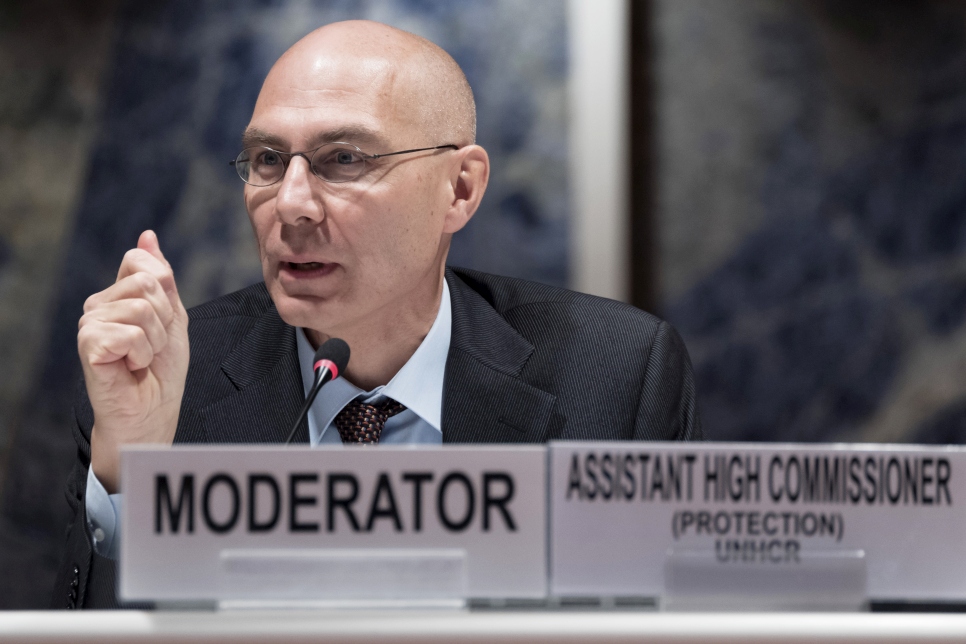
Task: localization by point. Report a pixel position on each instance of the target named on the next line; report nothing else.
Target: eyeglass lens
(333, 162)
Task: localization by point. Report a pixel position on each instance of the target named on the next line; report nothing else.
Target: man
(359, 165)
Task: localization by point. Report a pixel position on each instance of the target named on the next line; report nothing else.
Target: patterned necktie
(359, 422)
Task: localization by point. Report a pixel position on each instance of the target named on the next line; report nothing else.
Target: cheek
(260, 216)
(410, 233)
(421, 217)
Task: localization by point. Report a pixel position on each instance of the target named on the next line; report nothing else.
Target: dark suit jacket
(527, 363)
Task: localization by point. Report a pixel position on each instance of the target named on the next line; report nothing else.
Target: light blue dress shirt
(418, 386)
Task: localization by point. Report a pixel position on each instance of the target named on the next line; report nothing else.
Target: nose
(295, 201)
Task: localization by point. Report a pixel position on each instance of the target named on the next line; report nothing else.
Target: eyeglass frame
(308, 159)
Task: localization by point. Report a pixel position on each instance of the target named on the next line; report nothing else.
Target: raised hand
(133, 345)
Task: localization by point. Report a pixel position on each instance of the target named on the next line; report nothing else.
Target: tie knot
(360, 422)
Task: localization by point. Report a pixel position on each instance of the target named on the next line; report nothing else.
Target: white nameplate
(283, 523)
(623, 513)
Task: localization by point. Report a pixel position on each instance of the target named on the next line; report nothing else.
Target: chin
(302, 311)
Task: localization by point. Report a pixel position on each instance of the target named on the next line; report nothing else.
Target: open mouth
(307, 266)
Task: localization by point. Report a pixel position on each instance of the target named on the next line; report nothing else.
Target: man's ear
(468, 181)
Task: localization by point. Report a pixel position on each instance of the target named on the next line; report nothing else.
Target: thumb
(149, 241)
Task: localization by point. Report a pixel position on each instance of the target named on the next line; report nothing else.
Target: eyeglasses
(333, 162)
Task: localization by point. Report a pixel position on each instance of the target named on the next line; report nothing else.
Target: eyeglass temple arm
(435, 147)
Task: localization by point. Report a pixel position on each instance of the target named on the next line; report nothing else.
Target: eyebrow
(350, 134)
(254, 136)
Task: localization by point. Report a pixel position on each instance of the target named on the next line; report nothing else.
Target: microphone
(329, 363)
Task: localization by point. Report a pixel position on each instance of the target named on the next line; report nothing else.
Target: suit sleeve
(667, 408)
(85, 579)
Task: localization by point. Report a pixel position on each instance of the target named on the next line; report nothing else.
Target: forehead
(309, 99)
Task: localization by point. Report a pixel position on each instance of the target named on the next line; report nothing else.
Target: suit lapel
(484, 398)
(264, 368)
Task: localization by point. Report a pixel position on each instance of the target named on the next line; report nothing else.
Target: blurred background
(791, 179)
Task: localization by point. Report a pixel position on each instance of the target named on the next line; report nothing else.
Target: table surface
(469, 626)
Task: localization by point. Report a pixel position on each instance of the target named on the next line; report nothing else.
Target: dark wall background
(811, 211)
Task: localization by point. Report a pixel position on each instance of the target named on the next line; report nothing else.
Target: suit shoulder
(509, 295)
(251, 301)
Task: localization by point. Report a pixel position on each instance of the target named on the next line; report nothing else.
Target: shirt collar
(418, 385)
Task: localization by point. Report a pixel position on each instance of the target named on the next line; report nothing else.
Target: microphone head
(333, 355)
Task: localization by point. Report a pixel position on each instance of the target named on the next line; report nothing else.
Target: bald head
(421, 84)
(362, 255)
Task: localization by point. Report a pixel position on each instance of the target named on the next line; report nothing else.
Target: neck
(386, 340)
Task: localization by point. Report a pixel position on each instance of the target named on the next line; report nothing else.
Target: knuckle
(144, 282)
(87, 326)
(90, 341)
(131, 256)
(142, 309)
(136, 334)
(91, 303)
(166, 277)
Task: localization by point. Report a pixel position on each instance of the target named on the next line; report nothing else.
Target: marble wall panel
(813, 214)
(53, 57)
